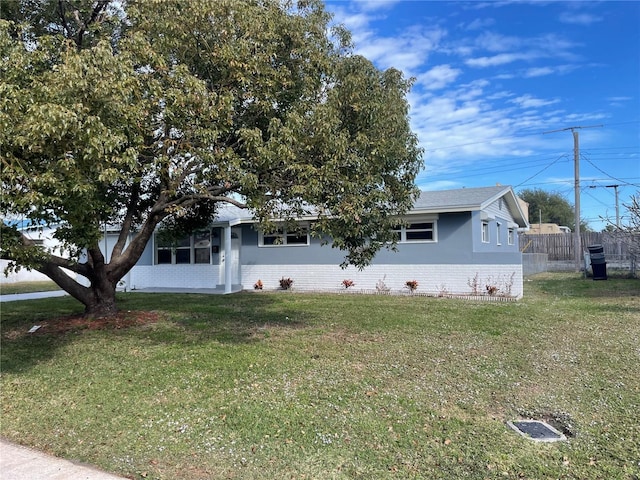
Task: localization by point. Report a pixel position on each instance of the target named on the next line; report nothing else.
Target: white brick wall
(177, 276)
(432, 279)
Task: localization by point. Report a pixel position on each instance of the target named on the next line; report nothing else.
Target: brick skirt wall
(173, 276)
(432, 279)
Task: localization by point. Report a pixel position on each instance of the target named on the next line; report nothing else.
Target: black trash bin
(596, 249)
(598, 264)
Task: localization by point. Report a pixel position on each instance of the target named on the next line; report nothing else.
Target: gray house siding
(456, 236)
(458, 241)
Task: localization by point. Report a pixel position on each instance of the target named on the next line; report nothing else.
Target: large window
(195, 248)
(283, 237)
(416, 232)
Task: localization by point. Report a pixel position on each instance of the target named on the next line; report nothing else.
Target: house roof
(442, 201)
(469, 199)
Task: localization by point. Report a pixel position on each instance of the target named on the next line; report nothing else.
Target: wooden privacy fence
(559, 246)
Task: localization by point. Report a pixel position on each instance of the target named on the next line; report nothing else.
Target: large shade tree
(144, 113)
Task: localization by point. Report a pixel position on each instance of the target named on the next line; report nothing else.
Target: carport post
(227, 260)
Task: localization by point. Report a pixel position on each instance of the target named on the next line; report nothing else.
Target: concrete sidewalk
(14, 297)
(61, 293)
(22, 463)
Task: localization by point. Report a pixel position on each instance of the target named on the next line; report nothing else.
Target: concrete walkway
(14, 297)
(61, 293)
(32, 296)
(22, 463)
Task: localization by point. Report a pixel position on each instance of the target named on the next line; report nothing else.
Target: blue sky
(492, 77)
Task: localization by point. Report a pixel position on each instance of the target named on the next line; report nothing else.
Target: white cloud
(539, 72)
(438, 77)
(479, 24)
(619, 101)
(406, 52)
(369, 5)
(543, 71)
(499, 95)
(574, 18)
(500, 59)
(528, 101)
(495, 42)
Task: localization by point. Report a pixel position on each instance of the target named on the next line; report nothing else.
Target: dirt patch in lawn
(78, 323)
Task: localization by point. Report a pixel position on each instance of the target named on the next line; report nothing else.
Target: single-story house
(455, 242)
(40, 235)
(547, 229)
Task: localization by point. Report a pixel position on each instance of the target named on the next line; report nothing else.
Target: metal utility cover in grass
(537, 430)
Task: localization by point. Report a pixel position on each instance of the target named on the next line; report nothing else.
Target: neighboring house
(456, 242)
(547, 228)
(40, 235)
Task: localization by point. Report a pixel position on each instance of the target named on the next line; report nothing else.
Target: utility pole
(577, 249)
(615, 189)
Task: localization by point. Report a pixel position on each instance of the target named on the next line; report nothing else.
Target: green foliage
(134, 113)
(553, 206)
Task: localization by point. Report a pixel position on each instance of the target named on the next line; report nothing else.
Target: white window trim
(511, 236)
(192, 254)
(498, 233)
(485, 229)
(403, 229)
(261, 236)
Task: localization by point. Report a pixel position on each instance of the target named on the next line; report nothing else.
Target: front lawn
(27, 287)
(286, 385)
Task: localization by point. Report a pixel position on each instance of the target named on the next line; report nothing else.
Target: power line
(602, 171)
(538, 173)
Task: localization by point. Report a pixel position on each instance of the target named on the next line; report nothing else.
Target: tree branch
(83, 26)
(63, 18)
(75, 289)
(128, 221)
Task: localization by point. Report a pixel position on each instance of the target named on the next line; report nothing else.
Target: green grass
(282, 385)
(27, 287)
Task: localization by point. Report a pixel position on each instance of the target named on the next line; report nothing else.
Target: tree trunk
(100, 298)
(101, 301)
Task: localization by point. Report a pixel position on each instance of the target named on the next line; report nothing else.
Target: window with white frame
(195, 248)
(499, 233)
(485, 232)
(282, 237)
(511, 236)
(422, 231)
